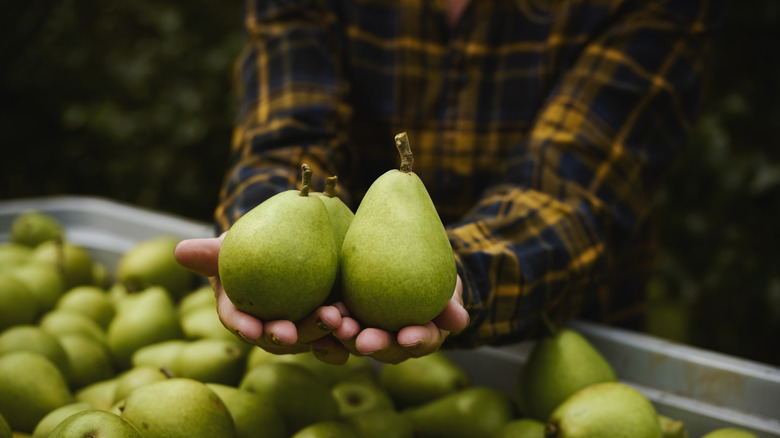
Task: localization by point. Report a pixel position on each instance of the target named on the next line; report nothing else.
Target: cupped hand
(411, 341)
(312, 333)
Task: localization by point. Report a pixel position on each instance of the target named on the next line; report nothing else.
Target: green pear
(558, 366)
(47, 424)
(202, 297)
(477, 411)
(160, 354)
(144, 318)
(73, 261)
(89, 361)
(301, 398)
(99, 395)
(419, 380)
(355, 368)
(381, 423)
(178, 407)
(250, 412)
(92, 301)
(601, 410)
(211, 361)
(356, 397)
(279, 260)
(340, 215)
(5, 429)
(31, 387)
(326, 429)
(136, 377)
(32, 227)
(63, 321)
(397, 264)
(44, 281)
(521, 428)
(672, 428)
(18, 305)
(150, 262)
(13, 255)
(730, 432)
(204, 322)
(95, 424)
(34, 338)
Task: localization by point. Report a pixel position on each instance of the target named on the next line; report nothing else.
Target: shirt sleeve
(288, 116)
(575, 192)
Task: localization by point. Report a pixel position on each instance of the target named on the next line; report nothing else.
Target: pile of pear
(145, 355)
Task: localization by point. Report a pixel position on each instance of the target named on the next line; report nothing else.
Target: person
(541, 129)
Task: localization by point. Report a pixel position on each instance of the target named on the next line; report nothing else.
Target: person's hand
(313, 332)
(411, 341)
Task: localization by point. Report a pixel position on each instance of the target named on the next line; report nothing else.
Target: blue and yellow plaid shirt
(541, 129)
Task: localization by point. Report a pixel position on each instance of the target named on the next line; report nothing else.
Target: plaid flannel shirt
(541, 129)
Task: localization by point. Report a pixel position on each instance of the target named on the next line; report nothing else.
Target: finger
(329, 350)
(421, 340)
(199, 255)
(319, 323)
(380, 345)
(280, 332)
(349, 329)
(454, 318)
(244, 325)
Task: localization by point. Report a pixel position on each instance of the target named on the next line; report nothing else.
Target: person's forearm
(575, 194)
(291, 105)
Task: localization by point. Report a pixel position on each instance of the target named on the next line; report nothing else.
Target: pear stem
(305, 179)
(405, 150)
(330, 186)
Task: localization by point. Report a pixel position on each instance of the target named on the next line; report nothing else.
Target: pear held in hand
(279, 260)
(397, 264)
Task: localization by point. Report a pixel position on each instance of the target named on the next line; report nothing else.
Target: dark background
(132, 100)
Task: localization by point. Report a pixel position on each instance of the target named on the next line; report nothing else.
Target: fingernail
(277, 341)
(323, 326)
(241, 335)
(414, 346)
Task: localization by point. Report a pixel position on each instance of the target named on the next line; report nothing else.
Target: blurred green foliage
(133, 100)
(126, 99)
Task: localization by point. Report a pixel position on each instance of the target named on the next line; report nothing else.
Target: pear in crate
(279, 260)
(296, 392)
(95, 424)
(18, 305)
(142, 319)
(150, 262)
(521, 428)
(730, 432)
(604, 410)
(32, 227)
(92, 301)
(250, 412)
(47, 424)
(419, 380)
(478, 411)
(73, 261)
(326, 429)
(178, 407)
(397, 264)
(558, 365)
(31, 387)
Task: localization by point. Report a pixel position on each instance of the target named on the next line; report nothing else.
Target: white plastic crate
(705, 389)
